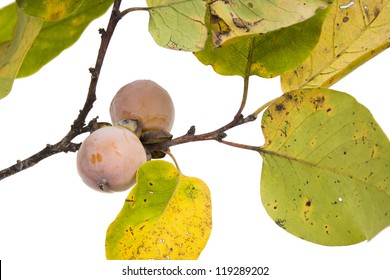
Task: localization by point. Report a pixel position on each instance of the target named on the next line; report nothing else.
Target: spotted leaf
(353, 33)
(326, 170)
(178, 24)
(166, 216)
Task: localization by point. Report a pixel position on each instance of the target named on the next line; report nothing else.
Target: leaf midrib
(341, 54)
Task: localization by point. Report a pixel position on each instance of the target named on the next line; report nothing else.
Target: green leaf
(352, 34)
(178, 24)
(49, 9)
(248, 17)
(326, 170)
(8, 19)
(13, 52)
(56, 36)
(166, 216)
(271, 54)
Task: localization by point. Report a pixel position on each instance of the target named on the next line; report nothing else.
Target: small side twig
(217, 135)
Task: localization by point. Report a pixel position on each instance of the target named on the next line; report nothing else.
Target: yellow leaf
(353, 33)
(166, 216)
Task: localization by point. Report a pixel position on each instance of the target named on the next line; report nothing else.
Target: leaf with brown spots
(269, 54)
(178, 24)
(166, 216)
(353, 33)
(326, 170)
(248, 17)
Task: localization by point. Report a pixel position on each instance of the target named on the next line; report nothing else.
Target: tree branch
(78, 127)
(217, 135)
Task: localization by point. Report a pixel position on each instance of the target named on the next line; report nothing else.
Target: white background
(53, 227)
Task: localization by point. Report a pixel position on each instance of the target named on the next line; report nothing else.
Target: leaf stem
(133, 9)
(263, 107)
(246, 80)
(241, 146)
(174, 160)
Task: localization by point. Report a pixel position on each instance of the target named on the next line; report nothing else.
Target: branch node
(251, 118)
(93, 72)
(75, 147)
(19, 165)
(191, 131)
(117, 14)
(221, 135)
(102, 31)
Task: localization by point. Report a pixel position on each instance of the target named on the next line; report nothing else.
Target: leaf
(248, 17)
(8, 19)
(49, 9)
(178, 24)
(352, 34)
(13, 52)
(56, 36)
(271, 54)
(326, 170)
(166, 216)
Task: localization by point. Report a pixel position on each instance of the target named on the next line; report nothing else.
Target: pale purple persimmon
(109, 158)
(146, 102)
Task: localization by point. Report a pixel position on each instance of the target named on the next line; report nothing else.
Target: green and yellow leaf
(247, 17)
(166, 216)
(12, 53)
(49, 9)
(27, 43)
(352, 34)
(269, 55)
(8, 20)
(178, 24)
(57, 36)
(326, 170)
